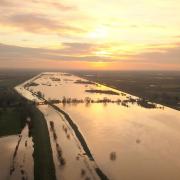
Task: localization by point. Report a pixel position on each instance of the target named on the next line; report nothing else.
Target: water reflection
(105, 101)
(130, 138)
(74, 93)
(132, 142)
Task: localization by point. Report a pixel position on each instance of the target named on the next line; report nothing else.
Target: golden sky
(90, 34)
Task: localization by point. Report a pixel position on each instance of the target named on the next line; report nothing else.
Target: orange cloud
(36, 23)
(68, 55)
(101, 34)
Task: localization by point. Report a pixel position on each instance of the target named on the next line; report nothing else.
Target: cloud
(6, 3)
(160, 55)
(76, 52)
(38, 16)
(36, 23)
(9, 53)
(78, 48)
(61, 6)
(56, 4)
(52, 3)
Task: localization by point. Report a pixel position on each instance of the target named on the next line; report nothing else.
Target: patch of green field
(14, 110)
(12, 120)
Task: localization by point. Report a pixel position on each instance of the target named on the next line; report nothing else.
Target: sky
(90, 34)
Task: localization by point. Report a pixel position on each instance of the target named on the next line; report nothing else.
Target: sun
(103, 53)
(99, 33)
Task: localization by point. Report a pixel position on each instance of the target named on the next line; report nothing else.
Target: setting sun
(67, 32)
(99, 33)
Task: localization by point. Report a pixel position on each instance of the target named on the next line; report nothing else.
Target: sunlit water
(146, 141)
(72, 152)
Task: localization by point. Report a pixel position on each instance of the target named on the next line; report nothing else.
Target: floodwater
(75, 159)
(7, 145)
(127, 142)
(146, 141)
(16, 156)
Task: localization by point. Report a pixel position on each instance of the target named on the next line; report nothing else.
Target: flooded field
(142, 140)
(128, 137)
(17, 156)
(69, 157)
(7, 145)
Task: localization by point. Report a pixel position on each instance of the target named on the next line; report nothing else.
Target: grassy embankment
(14, 110)
(12, 120)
